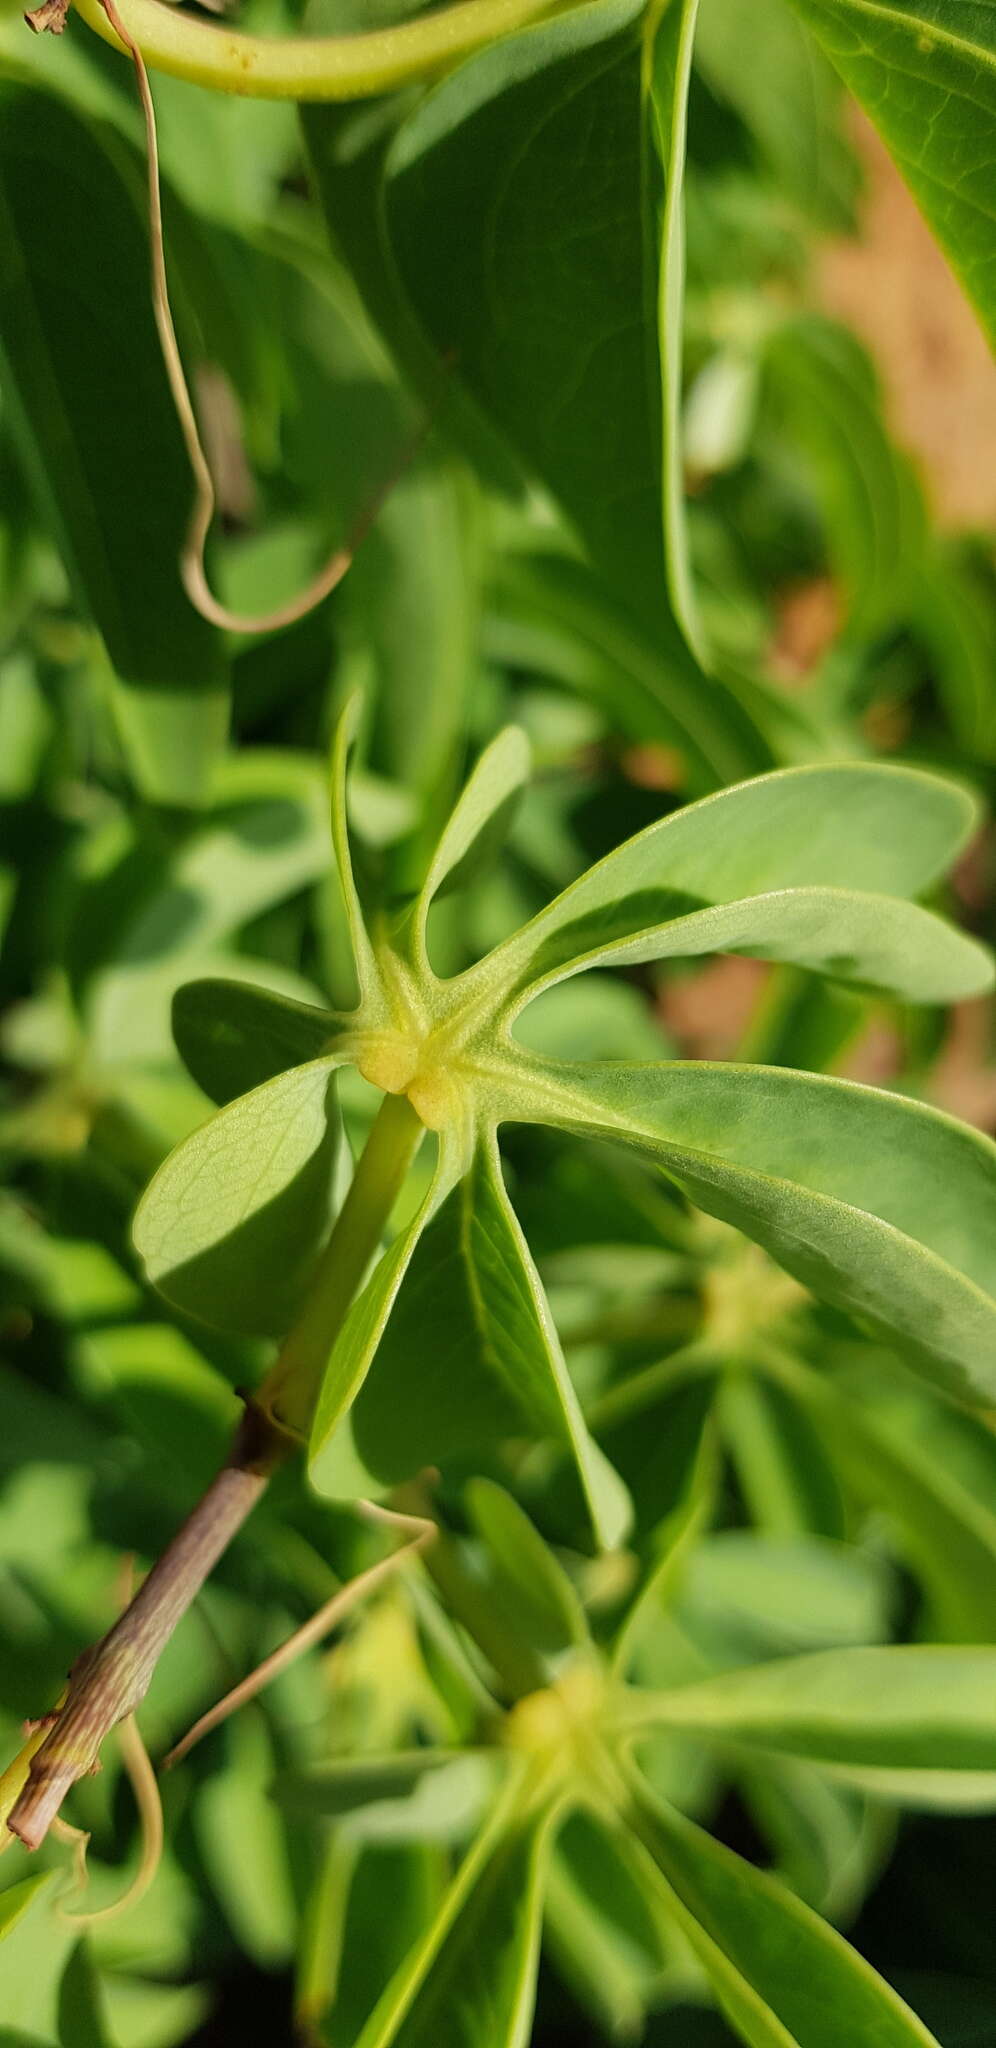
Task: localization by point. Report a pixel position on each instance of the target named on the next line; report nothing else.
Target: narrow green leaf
(471, 1353)
(230, 1226)
(878, 1204)
(874, 941)
(914, 1723)
(232, 1037)
(479, 821)
(823, 387)
(525, 1576)
(947, 1532)
(90, 403)
(784, 1978)
(861, 827)
(925, 70)
(332, 1459)
(470, 1982)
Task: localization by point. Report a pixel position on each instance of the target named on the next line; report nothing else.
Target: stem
(290, 1389)
(110, 1679)
(313, 67)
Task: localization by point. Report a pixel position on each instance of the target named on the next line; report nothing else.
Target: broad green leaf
(524, 1576)
(913, 1723)
(87, 389)
(519, 202)
(470, 1982)
(878, 1204)
(470, 1353)
(783, 1977)
(790, 104)
(925, 70)
(866, 827)
(232, 1037)
(230, 1226)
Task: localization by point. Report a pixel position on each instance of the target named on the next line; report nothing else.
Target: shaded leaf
(232, 1037)
(90, 402)
(230, 1226)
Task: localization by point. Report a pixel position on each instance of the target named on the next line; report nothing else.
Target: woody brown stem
(111, 1679)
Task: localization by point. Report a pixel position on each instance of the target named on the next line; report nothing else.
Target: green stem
(291, 1387)
(312, 67)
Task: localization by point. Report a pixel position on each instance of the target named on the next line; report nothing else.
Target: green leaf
(824, 389)
(231, 1225)
(551, 615)
(333, 1464)
(90, 403)
(16, 1898)
(518, 202)
(420, 1795)
(471, 1354)
(244, 1845)
(524, 1575)
(878, 1204)
(947, 1532)
(791, 104)
(82, 2022)
(863, 827)
(783, 1977)
(477, 826)
(925, 71)
(874, 941)
(470, 1982)
(233, 1037)
(916, 1724)
(154, 922)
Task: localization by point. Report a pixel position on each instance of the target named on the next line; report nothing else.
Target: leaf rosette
(878, 1204)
